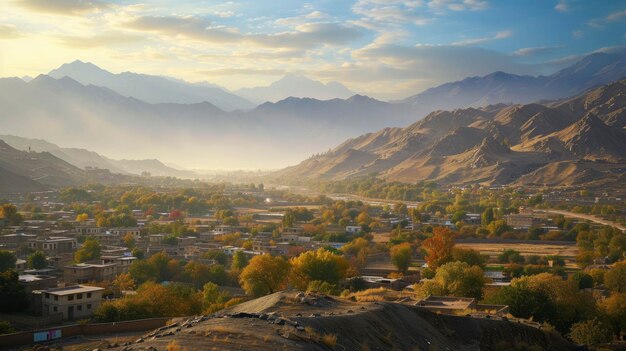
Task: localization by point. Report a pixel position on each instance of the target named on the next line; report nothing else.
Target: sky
(385, 49)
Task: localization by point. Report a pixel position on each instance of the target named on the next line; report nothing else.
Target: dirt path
(586, 217)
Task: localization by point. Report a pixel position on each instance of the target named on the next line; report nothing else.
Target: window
(88, 295)
(47, 296)
(54, 309)
(88, 306)
(56, 298)
(79, 307)
(79, 296)
(70, 297)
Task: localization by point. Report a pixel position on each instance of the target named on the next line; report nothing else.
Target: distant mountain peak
(296, 85)
(151, 88)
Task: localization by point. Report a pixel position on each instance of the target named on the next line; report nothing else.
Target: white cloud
(107, 39)
(474, 41)
(64, 7)
(307, 35)
(390, 12)
(458, 5)
(562, 6)
(608, 19)
(535, 51)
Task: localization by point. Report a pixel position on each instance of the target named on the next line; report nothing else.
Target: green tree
(469, 256)
(510, 256)
(37, 260)
(461, 279)
(218, 255)
(265, 274)
(7, 260)
(401, 256)
(240, 261)
(615, 278)
(12, 294)
(487, 216)
(591, 332)
(90, 250)
(321, 265)
(614, 307)
(212, 294)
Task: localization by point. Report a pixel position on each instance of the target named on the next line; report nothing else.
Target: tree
(240, 261)
(615, 278)
(461, 279)
(401, 256)
(289, 219)
(37, 260)
(547, 298)
(469, 256)
(124, 282)
(265, 274)
(510, 256)
(487, 216)
(9, 212)
(439, 247)
(199, 274)
(82, 217)
(212, 295)
(218, 255)
(321, 265)
(12, 294)
(129, 240)
(614, 307)
(89, 251)
(591, 332)
(363, 218)
(7, 260)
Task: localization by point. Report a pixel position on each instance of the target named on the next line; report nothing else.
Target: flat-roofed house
(73, 302)
(53, 245)
(93, 271)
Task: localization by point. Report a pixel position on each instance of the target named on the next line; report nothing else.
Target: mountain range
(158, 89)
(293, 85)
(500, 87)
(271, 135)
(580, 140)
(83, 158)
(149, 88)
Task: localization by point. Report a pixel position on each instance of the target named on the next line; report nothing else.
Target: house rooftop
(74, 289)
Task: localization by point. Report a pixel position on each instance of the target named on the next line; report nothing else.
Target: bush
(591, 332)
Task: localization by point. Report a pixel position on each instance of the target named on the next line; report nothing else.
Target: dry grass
(175, 346)
(220, 329)
(329, 340)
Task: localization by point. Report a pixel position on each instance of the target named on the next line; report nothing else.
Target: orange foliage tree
(439, 247)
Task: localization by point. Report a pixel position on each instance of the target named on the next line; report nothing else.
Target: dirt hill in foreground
(294, 321)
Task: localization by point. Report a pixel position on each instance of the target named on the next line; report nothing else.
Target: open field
(566, 250)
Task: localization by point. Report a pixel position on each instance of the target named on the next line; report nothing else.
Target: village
(72, 258)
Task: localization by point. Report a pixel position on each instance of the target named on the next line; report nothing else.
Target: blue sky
(386, 49)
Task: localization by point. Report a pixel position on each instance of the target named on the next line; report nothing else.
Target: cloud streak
(308, 35)
(475, 41)
(64, 7)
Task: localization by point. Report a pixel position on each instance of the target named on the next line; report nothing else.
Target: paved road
(588, 217)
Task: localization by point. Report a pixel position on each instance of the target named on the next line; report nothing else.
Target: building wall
(82, 304)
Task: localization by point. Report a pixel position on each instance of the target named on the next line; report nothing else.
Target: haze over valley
(312, 175)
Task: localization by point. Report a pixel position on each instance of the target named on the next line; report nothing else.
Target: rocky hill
(295, 321)
(497, 144)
